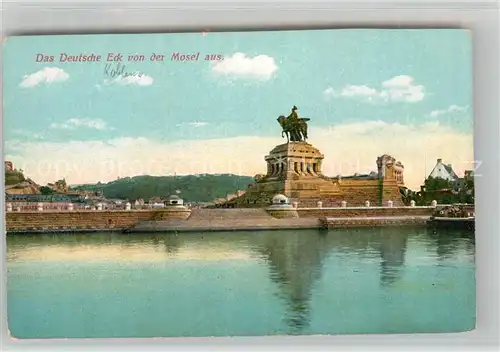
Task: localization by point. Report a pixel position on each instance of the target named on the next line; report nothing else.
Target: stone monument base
(294, 169)
(173, 213)
(282, 211)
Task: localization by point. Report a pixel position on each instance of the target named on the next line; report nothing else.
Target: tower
(390, 175)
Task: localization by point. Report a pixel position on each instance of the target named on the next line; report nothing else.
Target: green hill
(201, 188)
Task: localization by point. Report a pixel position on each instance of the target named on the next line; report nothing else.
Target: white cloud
(26, 133)
(76, 123)
(356, 148)
(193, 124)
(197, 124)
(47, 75)
(449, 110)
(240, 65)
(397, 89)
(365, 91)
(138, 80)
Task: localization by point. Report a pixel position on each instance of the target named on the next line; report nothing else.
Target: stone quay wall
(363, 212)
(119, 220)
(382, 221)
(56, 221)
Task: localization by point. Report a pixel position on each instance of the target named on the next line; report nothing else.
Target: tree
(13, 177)
(202, 188)
(448, 192)
(46, 190)
(437, 184)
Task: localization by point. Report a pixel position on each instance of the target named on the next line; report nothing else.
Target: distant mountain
(201, 188)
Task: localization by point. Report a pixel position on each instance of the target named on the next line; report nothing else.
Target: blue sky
(367, 92)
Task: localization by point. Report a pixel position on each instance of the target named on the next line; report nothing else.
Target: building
(446, 187)
(231, 196)
(9, 166)
(155, 200)
(139, 203)
(444, 171)
(219, 201)
(469, 175)
(50, 198)
(294, 169)
(465, 183)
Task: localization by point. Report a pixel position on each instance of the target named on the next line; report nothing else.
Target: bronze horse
(295, 130)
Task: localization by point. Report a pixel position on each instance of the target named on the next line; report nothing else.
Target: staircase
(227, 220)
(221, 214)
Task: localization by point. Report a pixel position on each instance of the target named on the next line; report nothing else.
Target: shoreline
(237, 225)
(178, 220)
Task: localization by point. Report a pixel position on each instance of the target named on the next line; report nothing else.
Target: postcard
(302, 182)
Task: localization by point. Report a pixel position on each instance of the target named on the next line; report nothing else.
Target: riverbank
(174, 220)
(228, 220)
(452, 223)
(376, 221)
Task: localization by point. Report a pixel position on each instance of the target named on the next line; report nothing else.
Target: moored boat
(459, 216)
(459, 223)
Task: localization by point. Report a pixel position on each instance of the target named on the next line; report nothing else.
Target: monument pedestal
(294, 170)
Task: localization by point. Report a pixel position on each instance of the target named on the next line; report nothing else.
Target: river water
(384, 280)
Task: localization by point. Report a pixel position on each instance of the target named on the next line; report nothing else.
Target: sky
(407, 93)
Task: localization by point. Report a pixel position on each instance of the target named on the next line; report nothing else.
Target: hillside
(14, 177)
(201, 188)
(17, 183)
(24, 187)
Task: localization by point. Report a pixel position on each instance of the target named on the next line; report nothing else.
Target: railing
(34, 207)
(367, 204)
(29, 206)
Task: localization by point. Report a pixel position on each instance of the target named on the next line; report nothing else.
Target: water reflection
(295, 262)
(447, 243)
(392, 247)
(295, 259)
(172, 243)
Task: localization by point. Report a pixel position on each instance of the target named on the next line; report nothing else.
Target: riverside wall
(54, 221)
(122, 220)
(365, 212)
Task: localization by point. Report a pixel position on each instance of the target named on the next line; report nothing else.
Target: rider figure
(294, 117)
(293, 120)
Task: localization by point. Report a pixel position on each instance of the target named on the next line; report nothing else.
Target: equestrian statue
(294, 127)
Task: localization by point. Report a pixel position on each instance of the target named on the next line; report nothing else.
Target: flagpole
(425, 166)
